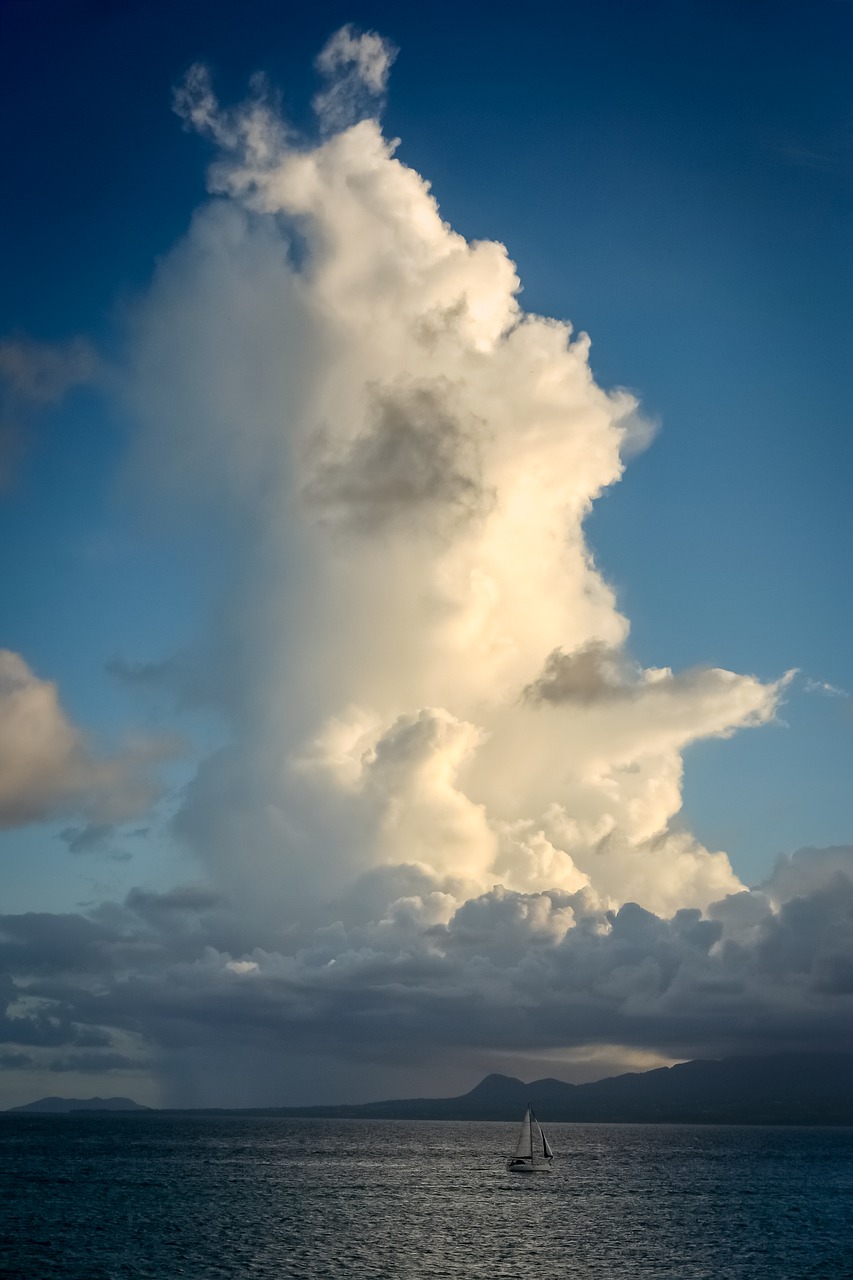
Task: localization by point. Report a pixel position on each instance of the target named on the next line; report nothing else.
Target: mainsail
(524, 1146)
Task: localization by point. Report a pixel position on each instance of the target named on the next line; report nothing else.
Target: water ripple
(259, 1198)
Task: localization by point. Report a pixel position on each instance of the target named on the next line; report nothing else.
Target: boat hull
(526, 1166)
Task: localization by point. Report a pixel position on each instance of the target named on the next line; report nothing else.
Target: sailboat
(532, 1152)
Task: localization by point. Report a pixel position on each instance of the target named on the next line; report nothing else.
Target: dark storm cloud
(41, 942)
(15, 1062)
(49, 1026)
(185, 900)
(801, 872)
(504, 973)
(811, 940)
(95, 1062)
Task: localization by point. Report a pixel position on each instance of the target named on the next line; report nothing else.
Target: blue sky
(674, 179)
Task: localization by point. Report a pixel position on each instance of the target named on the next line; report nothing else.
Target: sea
(237, 1197)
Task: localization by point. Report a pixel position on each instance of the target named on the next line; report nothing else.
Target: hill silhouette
(60, 1106)
(802, 1088)
(795, 1088)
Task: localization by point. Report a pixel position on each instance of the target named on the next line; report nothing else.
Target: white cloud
(426, 667)
(356, 66)
(822, 686)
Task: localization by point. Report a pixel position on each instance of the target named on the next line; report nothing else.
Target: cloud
(356, 66)
(446, 818)
(35, 376)
(413, 457)
(592, 672)
(47, 769)
(15, 1062)
(41, 372)
(96, 1063)
(84, 839)
(409, 459)
(801, 873)
(179, 682)
(146, 675)
(98, 838)
(822, 686)
(503, 972)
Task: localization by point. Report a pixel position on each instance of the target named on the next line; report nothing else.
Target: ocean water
(259, 1198)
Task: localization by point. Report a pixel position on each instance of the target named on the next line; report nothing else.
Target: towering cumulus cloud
(444, 816)
(431, 670)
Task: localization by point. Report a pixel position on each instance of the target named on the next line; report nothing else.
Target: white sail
(524, 1146)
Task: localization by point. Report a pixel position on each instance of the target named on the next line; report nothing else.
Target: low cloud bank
(426, 981)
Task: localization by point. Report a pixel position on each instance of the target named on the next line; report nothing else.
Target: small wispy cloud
(35, 376)
(829, 153)
(355, 65)
(42, 372)
(93, 836)
(824, 687)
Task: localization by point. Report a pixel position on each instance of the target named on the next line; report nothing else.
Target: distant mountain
(801, 1088)
(795, 1088)
(59, 1106)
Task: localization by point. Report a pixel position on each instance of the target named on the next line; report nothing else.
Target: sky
(424, 541)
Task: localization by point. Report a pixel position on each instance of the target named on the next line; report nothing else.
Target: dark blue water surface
(99, 1198)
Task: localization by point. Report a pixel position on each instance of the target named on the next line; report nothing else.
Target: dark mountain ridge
(794, 1088)
(61, 1106)
(798, 1088)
